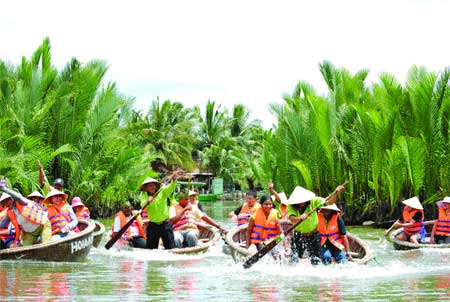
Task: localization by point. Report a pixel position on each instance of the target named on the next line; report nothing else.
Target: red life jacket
(417, 226)
(124, 220)
(187, 221)
(443, 223)
(3, 214)
(82, 212)
(13, 219)
(330, 231)
(59, 217)
(246, 212)
(264, 228)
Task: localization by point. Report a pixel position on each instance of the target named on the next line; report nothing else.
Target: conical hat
(147, 181)
(332, 207)
(192, 193)
(36, 194)
(300, 195)
(283, 198)
(441, 202)
(55, 192)
(4, 196)
(413, 203)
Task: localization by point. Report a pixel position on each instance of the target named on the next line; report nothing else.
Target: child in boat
(183, 217)
(411, 222)
(134, 235)
(243, 213)
(37, 198)
(441, 228)
(263, 225)
(62, 218)
(81, 211)
(333, 236)
(29, 219)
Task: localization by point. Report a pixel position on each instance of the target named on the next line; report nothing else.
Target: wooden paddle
(12, 193)
(267, 248)
(119, 234)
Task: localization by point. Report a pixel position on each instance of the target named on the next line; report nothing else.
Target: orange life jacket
(330, 231)
(417, 226)
(246, 212)
(187, 221)
(443, 223)
(264, 228)
(32, 212)
(59, 217)
(13, 219)
(3, 214)
(124, 220)
(82, 212)
(283, 209)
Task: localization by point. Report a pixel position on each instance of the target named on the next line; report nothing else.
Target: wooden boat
(236, 239)
(98, 233)
(208, 236)
(406, 245)
(71, 248)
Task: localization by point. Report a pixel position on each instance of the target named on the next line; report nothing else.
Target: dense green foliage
(86, 132)
(391, 141)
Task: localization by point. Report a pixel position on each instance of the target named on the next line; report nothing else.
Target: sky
(230, 52)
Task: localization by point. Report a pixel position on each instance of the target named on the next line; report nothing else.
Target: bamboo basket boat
(236, 239)
(406, 245)
(68, 249)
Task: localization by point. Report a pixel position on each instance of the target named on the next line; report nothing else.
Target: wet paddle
(267, 248)
(119, 234)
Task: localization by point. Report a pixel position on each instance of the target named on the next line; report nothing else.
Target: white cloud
(249, 52)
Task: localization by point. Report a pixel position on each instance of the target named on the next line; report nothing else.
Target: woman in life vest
(441, 228)
(263, 225)
(81, 211)
(29, 219)
(134, 235)
(333, 236)
(37, 198)
(7, 233)
(183, 216)
(411, 221)
(243, 213)
(60, 214)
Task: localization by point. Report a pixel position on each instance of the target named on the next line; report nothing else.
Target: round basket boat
(406, 245)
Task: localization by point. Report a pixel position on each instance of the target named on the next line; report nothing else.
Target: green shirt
(311, 223)
(158, 209)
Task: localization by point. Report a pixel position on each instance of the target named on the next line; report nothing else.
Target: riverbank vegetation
(390, 140)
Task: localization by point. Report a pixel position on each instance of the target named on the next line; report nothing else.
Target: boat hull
(99, 231)
(71, 248)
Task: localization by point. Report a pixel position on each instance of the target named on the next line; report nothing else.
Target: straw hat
(441, 202)
(283, 198)
(332, 207)
(76, 202)
(36, 194)
(55, 192)
(147, 181)
(4, 197)
(413, 203)
(300, 195)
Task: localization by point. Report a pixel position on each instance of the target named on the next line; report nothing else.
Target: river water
(421, 275)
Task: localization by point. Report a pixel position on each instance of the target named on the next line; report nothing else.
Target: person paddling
(334, 241)
(441, 228)
(306, 236)
(411, 221)
(159, 202)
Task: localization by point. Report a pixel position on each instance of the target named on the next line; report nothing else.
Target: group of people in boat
(319, 230)
(37, 218)
(172, 221)
(412, 222)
